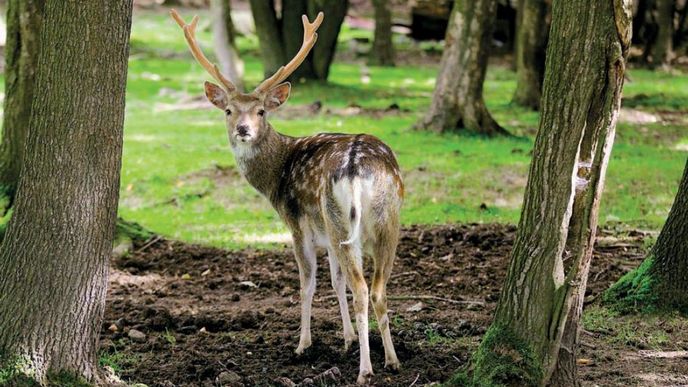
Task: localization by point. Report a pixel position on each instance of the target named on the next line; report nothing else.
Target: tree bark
(537, 317)
(54, 258)
(661, 281)
(457, 101)
(269, 35)
(324, 50)
(661, 49)
(382, 53)
(280, 38)
(225, 47)
(24, 19)
(531, 42)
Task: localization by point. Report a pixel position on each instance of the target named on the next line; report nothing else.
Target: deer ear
(216, 95)
(277, 96)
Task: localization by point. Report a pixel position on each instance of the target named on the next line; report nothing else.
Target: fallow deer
(340, 192)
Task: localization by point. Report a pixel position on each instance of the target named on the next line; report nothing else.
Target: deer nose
(242, 130)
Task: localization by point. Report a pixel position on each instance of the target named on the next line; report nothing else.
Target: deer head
(246, 113)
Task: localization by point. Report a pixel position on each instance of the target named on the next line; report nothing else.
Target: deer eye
(228, 112)
(261, 112)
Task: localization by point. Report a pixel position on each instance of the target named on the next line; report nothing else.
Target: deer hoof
(348, 341)
(393, 365)
(301, 349)
(364, 378)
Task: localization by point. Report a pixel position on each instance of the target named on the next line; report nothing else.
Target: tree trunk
(225, 48)
(269, 35)
(457, 101)
(324, 50)
(531, 42)
(537, 317)
(280, 38)
(382, 53)
(661, 49)
(661, 281)
(54, 259)
(24, 19)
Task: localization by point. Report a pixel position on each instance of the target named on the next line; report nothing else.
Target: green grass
(167, 186)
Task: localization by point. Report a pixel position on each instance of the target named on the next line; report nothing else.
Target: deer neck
(262, 163)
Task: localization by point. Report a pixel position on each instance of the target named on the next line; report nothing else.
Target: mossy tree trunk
(661, 281)
(457, 102)
(281, 37)
(531, 42)
(54, 258)
(534, 333)
(382, 53)
(24, 19)
(224, 40)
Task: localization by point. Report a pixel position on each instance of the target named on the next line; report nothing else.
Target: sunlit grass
(450, 178)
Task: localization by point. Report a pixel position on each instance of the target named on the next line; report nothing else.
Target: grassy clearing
(178, 177)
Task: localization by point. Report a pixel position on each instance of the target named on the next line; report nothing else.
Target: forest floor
(211, 317)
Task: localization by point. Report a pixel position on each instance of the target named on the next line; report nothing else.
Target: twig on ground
(434, 298)
(147, 245)
(415, 380)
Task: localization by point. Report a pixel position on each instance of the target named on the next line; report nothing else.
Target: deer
(338, 192)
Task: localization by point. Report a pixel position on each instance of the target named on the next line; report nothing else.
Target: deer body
(339, 192)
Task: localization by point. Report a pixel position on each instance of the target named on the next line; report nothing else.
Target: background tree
(281, 38)
(534, 333)
(531, 42)
(24, 19)
(224, 38)
(457, 102)
(661, 281)
(54, 259)
(382, 53)
(661, 48)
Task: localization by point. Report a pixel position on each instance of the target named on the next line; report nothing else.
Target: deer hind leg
(339, 285)
(384, 252)
(306, 261)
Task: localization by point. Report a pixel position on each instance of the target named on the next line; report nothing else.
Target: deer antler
(309, 39)
(190, 35)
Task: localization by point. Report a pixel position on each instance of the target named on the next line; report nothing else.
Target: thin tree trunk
(457, 102)
(661, 281)
(225, 48)
(382, 53)
(537, 317)
(24, 19)
(531, 42)
(661, 50)
(54, 258)
(269, 35)
(323, 52)
(292, 35)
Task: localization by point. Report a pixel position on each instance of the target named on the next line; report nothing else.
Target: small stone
(229, 378)
(186, 276)
(236, 297)
(113, 328)
(137, 336)
(416, 307)
(285, 382)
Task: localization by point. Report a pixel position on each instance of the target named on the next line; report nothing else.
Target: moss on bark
(634, 292)
(503, 359)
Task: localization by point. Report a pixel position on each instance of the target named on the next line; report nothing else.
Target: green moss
(635, 291)
(16, 371)
(132, 230)
(503, 359)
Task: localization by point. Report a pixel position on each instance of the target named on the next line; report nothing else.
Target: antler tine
(190, 35)
(309, 39)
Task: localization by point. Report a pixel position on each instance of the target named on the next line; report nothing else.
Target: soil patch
(214, 317)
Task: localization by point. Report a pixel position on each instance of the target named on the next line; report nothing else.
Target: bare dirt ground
(211, 317)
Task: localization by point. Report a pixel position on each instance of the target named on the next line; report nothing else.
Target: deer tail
(355, 213)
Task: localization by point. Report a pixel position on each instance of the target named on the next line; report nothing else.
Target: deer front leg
(306, 261)
(339, 285)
